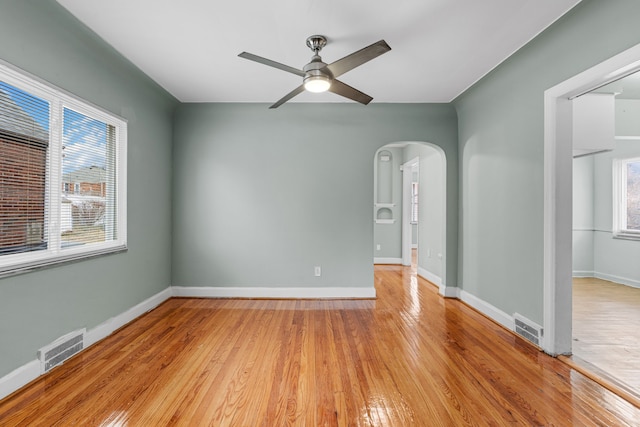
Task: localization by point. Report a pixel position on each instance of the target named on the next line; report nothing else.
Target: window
(626, 198)
(414, 202)
(62, 176)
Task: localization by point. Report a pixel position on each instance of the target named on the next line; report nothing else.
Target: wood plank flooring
(606, 325)
(408, 358)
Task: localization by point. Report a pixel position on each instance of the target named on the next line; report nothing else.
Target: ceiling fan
(320, 77)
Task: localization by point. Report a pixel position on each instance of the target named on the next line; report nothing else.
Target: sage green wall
(40, 37)
(501, 152)
(261, 196)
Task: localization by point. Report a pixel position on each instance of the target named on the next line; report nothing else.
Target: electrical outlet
(378, 247)
(428, 252)
(317, 271)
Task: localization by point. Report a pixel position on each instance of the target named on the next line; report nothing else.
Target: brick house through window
(85, 189)
(90, 181)
(23, 164)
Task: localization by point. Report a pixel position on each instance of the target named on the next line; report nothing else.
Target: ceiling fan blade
(274, 64)
(347, 91)
(358, 58)
(296, 91)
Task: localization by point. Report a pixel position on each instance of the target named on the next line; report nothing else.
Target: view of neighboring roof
(91, 174)
(16, 121)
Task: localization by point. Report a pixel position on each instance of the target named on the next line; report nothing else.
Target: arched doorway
(402, 171)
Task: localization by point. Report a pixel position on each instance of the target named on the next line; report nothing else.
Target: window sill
(626, 235)
(29, 266)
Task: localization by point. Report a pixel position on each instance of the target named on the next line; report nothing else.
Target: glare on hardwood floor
(407, 358)
(606, 328)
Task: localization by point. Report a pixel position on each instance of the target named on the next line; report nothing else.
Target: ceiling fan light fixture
(320, 77)
(317, 84)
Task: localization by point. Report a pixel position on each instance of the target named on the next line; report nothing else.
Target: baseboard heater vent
(61, 349)
(528, 329)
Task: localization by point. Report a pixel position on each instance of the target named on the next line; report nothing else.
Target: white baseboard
(19, 378)
(382, 260)
(617, 279)
(583, 274)
(427, 275)
(267, 292)
(105, 329)
(449, 291)
(610, 277)
(28, 372)
(488, 310)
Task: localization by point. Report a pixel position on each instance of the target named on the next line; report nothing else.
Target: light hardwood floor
(408, 358)
(606, 329)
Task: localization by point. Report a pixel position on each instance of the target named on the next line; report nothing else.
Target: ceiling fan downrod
(316, 43)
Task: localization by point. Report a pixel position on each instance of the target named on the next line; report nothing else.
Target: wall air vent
(61, 349)
(527, 329)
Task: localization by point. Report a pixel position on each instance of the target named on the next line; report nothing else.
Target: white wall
(431, 200)
(595, 252)
(613, 259)
(583, 217)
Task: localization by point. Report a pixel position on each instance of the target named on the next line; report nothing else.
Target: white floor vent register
(61, 349)
(527, 329)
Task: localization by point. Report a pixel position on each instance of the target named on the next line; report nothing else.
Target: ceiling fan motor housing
(316, 68)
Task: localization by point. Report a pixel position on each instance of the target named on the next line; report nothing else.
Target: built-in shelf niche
(385, 177)
(384, 189)
(384, 215)
(385, 221)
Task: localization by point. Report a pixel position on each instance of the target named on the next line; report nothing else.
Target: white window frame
(59, 100)
(620, 231)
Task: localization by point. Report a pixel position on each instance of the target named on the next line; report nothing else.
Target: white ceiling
(439, 47)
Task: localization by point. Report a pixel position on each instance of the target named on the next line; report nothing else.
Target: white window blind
(626, 192)
(24, 144)
(414, 202)
(62, 176)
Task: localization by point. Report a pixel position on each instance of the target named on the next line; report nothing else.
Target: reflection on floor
(414, 261)
(606, 328)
